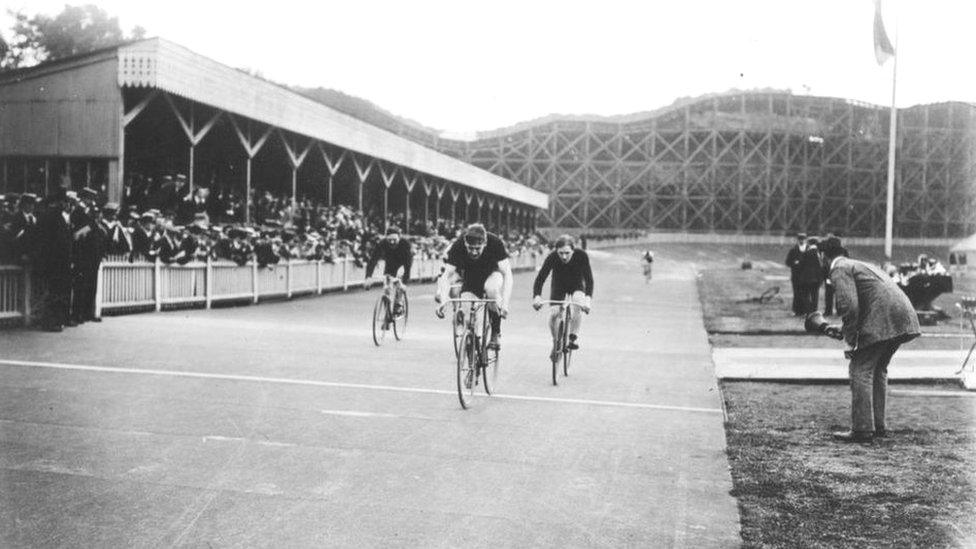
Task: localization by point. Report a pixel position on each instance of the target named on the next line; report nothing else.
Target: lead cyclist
(480, 261)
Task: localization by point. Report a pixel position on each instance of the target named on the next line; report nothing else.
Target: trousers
(869, 386)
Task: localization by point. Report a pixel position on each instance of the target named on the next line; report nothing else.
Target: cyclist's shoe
(493, 343)
(398, 309)
(573, 342)
(554, 356)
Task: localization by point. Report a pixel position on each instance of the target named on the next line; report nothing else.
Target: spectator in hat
(90, 244)
(829, 287)
(144, 238)
(877, 319)
(793, 262)
(119, 241)
(23, 228)
(55, 245)
(810, 275)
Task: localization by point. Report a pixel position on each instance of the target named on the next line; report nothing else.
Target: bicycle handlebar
(564, 302)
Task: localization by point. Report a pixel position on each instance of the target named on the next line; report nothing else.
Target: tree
(77, 29)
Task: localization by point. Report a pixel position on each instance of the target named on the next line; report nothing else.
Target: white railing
(15, 289)
(145, 286)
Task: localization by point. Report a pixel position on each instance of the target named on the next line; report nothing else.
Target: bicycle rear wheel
(381, 323)
(489, 362)
(400, 321)
(467, 370)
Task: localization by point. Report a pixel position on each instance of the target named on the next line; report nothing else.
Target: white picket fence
(144, 286)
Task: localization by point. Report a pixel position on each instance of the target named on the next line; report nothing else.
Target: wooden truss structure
(748, 162)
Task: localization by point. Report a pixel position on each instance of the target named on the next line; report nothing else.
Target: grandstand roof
(160, 64)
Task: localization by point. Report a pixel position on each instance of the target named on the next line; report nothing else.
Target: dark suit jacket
(54, 244)
(873, 307)
(143, 243)
(810, 270)
(793, 260)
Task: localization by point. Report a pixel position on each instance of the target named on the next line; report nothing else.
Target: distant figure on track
(648, 260)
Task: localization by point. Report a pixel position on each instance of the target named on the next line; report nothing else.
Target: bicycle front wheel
(457, 328)
(557, 351)
(467, 370)
(381, 323)
(489, 364)
(400, 321)
(567, 352)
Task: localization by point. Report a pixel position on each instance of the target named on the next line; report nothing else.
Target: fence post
(254, 277)
(288, 279)
(98, 290)
(208, 283)
(318, 276)
(28, 290)
(345, 281)
(158, 284)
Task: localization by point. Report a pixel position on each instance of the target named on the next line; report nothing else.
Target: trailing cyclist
(396, 253)
(572, 277)
(479, 260)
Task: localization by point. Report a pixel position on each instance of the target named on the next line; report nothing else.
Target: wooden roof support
(296, 162)
(189, 128)
(251, 149)
(141, 106)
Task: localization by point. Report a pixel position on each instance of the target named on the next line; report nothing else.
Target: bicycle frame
(475, 362)
(560, 339)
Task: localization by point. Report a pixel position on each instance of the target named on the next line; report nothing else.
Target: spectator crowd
(65, 236)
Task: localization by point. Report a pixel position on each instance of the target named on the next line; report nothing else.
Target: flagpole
(892, 137)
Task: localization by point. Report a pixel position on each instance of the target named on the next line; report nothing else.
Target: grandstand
(151, 107)
(745, 162)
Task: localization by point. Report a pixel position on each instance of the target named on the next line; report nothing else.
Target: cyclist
(648, 259)
(479, 260)
(571, 276)
(395, 252)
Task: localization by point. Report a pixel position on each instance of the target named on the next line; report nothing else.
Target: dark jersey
(476, 271)
(393, 256)
(567, 278)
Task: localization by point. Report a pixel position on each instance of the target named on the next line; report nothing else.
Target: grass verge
(796, 487)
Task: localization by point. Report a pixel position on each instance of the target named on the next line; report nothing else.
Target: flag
(883, 50)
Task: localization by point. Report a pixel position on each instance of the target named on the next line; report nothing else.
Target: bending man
(878, 318)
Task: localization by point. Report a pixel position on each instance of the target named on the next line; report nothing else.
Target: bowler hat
(831, 247)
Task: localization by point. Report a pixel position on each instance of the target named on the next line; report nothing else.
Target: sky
(464, 66)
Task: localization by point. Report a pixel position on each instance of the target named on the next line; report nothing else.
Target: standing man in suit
(90, 238)
(23, 226)
(54, 248)
(878, 318)
(829, 287)
(810, 275)
(793, 262)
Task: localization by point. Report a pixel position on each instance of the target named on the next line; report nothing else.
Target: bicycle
(384, 318)
(561, 353)
(476, 362)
